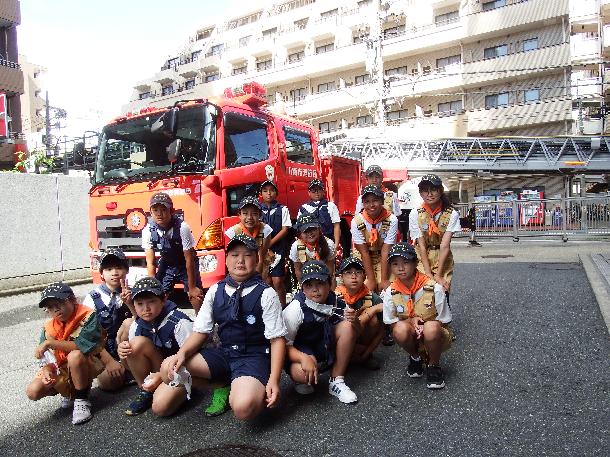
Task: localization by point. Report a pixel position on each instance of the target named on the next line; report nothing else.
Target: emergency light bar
(251, 94)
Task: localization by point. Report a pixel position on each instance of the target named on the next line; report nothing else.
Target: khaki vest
(424, 307)
(259, 238)
(423, 220)
(361, 226)
(362, 304)
(302, 252)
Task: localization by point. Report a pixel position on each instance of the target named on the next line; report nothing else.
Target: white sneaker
(339, 389)
(81, 412)
(303, 389)
(65, 403)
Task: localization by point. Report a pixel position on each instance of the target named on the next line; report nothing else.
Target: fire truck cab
(208, 155)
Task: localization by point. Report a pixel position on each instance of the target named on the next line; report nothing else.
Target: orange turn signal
(212, 236)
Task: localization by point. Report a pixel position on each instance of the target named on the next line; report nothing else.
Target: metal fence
(560, 217)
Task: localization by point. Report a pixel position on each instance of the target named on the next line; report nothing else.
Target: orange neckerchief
(418, 282)
(313, 248)
(62, 330)
(351, 299)
(374, 232)
(245, 230)
(432, 227)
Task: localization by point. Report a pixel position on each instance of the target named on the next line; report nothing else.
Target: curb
(39, 287)
(595, 265)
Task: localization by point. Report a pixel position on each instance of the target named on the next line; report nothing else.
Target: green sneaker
(219, 403)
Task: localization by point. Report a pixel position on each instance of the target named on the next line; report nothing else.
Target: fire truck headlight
(208, 263)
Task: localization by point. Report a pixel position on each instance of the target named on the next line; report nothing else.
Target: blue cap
(349, 262)
(314, 269)
(307, 221)
(148, 284)
(249, 201)
(315, 183)
(113, 254)
(432, 179)
(404, 250)
(246, 240)
(57, 290)
(376, 191)
(374, 169)
(161, 198)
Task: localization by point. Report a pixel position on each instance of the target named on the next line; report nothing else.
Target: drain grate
(497, 256)
(232, 450)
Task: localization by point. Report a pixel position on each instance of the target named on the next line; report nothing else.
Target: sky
(96, 50)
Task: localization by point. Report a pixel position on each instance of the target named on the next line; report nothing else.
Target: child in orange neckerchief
(416, 308)
(369, 308)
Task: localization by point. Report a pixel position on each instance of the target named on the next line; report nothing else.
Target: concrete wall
(44, 225)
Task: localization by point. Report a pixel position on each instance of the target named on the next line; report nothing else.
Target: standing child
(416, 308)
(369, 310)
(251, 332)
(312, 245)
(250, 224)
(113, 307)
(278, 218)
(432, 228)
(374, 177)
(157, 332)
(173, 238)
(74, 339)
(322, 333)
(323, 210)
(374, 231)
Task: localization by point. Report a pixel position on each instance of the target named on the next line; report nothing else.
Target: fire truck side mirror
(173, 149)
(167, 124)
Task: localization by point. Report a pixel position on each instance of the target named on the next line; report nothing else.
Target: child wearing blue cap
(416, 308)
(325, 211)
(251, 333)
(321, 334)
(374, 177)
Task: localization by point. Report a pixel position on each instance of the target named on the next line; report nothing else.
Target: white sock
(414, 358)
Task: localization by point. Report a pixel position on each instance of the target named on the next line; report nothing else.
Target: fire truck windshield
(129, 151)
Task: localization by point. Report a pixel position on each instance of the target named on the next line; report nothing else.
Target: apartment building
(410, 68)
(32, 102)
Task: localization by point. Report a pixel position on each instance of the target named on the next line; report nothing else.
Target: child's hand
(442, 282)
(418, 323)
(48, 376)
(196, 296)
(125, 292)
(310, 366)
(40, 350)
(174, 363)
(349, 314)
(151, 382)
(273, 394)
(115, 370)
(124, 350)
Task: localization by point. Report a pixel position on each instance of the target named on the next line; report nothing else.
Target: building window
(397, 115)
(359, 38)
(326, 87)
(530, 45)
(450, 107)
(270, 32)
(487, 6)
(364, 3)
(298, 94)
(142, 96)
(211, 77)
(242, 69)
(394, 31)
(195, 55)
(325, 48)
(446, 61)
(173, 62)
(326, 127)
(442, 19)
(362, 79)
(495, 51)
(298, 146)
(190, 84)
(531, 95)
(397, 71)
(243, 41)
(495, 100)
(215, 50)
(296, 56)
(167, 90)
(329, 14)
(301, 23)
(264, 65)
(362, 121)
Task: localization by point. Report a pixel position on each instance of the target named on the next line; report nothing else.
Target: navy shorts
(170, 276)
(278, 271)
(226, 366)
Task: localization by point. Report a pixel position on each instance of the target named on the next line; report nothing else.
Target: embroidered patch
(250, 319)
(424, 226)
(400, 309)
(428, 305)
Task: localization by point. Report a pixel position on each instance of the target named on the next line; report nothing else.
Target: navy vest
(274, 220)
(109, 317)
(172, 253)
(246, 334)
(317, 337)
(163, 336)
(323, 216)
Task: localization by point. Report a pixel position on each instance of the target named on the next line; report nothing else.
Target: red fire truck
(207, 154)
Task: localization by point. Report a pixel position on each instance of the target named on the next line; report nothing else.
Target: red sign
(3, 116)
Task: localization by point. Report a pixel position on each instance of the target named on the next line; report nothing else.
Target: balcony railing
(10, 64)
(585, 85)
(584, 48)
(582, 9)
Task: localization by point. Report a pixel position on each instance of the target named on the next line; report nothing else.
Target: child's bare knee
(139, 344)
(244, 408)
(76, 358)
(33, 391)
(161, 408)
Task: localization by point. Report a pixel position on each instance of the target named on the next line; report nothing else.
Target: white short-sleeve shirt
(267, 230)
(294, 256)
(388, 237)
(188, 241)
(333, 211)
(415, 232)
(440, 301)
(270, 303)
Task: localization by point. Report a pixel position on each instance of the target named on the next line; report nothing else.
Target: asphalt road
(528, 375)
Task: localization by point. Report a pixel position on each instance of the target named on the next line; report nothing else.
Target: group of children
(245, 332)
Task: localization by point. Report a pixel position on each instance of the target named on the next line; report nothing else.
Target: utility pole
(47, 125)
(377, 70)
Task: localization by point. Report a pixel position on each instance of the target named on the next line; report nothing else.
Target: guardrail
(551, 217)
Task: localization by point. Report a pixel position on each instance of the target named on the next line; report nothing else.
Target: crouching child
(416, 308)
(69, 349)
(251, 333)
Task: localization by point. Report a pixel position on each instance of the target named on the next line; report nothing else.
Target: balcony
(585, 85)
(450, 77)
(167, 76)
(583, 10)
(189, 69)
(589, 126)
(585, 49)
(332, 101)
(10, 13)
(606, 40)
(508, 117)
(11, 77)
(143, 86)
(605, 7)
(425, 38)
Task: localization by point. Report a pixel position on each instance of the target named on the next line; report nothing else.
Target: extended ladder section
(501, 154)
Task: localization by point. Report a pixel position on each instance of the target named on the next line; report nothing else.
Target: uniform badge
(424, 226)
(104, 313)
(250, 319)
(168, 344)
(400, 309)
(428, 305)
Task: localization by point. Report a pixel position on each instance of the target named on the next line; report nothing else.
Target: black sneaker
(140, 404)
(435, 378)
(388, 339)
(416, 368)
